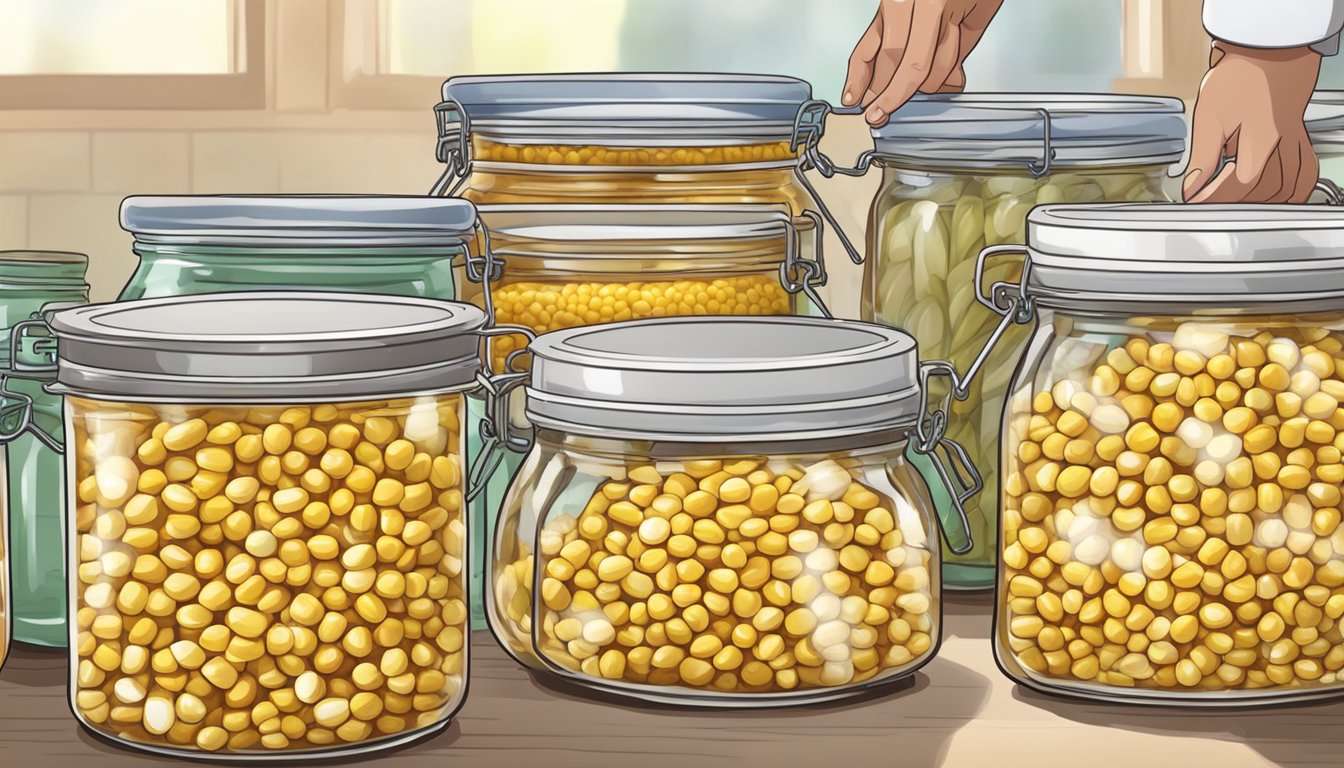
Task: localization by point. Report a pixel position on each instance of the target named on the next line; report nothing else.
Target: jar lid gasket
(710, 379)
(266, 346)
(598, 222)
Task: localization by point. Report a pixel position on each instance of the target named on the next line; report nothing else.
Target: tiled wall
(60, 189)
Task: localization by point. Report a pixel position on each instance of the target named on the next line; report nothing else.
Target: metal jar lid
(635, 109)
(266, 347)
(1034, 130)
(714, 379)
(1185, 253)
(1324, 119)
(299, 221)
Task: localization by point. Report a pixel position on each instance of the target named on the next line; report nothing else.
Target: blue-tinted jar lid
(648, 108)
(299, 220)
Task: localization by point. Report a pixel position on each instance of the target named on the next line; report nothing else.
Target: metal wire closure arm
(813, 273)
(15, 369)
(496, 430)
(807, 128)
(951, 461)
(455, 155)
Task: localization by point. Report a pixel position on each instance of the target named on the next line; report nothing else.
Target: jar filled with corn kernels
(719, 512)
(1172, 455)
(563, 266)
(959, 173)
(671, 138)
(267, 532)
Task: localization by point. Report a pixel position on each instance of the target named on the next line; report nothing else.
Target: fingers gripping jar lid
(1186, 253)
(299, 220)
(707, 380)
(1040, 130)
(256, 347)
(655, 108)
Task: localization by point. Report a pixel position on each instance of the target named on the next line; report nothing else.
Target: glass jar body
(926, 228)
(36, 492)
(169, 270)
(1170, 528)
(315, 550)
(717, 575)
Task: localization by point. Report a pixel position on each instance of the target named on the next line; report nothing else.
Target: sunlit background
(104, 98)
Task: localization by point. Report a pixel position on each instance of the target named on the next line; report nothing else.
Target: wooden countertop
(958, 711)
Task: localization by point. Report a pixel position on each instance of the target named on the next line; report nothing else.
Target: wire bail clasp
(17, 414)
(496, 430)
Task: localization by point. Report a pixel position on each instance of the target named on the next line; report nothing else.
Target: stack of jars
(624, 196)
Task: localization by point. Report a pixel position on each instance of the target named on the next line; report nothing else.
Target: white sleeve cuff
(1275, 23)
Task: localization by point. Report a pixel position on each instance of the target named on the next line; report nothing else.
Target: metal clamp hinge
(496, 431)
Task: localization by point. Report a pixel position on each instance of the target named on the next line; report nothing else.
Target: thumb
(1206, 151)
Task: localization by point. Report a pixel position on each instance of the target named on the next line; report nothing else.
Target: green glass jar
(961, 171)
(399, 246)
(32, 283)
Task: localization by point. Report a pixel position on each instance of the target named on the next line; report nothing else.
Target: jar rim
(635, 222)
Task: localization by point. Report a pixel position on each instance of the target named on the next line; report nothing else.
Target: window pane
(1042, 45)
(40, 37)
(434, 37)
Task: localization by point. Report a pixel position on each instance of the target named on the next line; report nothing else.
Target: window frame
(243, 89)
(357, 79)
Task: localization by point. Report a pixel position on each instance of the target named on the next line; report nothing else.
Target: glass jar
(695, 525)
(33, 283)
(267, 536)
(717, 139)
(1172, 460)
(1324, 119)
(960, 172)
(562, 266)
(400, 246)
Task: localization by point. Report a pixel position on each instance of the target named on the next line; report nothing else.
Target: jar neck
(174, 270)
(499, 184)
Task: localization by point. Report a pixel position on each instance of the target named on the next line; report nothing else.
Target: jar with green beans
(960, 173)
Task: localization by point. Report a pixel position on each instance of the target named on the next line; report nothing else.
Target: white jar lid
(715, 379)
(1187, 253)
(1015, 129)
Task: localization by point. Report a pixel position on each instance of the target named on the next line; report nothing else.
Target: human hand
(913, 46)
(1250, 107)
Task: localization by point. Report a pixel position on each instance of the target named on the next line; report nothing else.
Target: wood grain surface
(958, 711)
